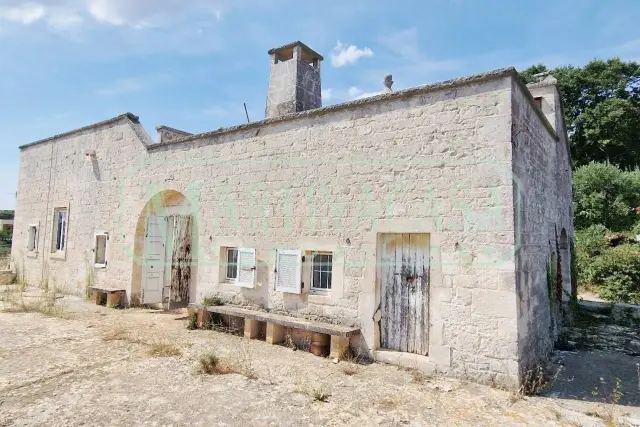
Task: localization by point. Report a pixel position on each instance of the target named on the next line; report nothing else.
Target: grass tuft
(164, 349)
(320, 395)
(210, 364)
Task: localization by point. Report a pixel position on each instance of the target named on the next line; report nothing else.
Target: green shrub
(616, 273)
(212, 301)
(592, 241)
(604, 194)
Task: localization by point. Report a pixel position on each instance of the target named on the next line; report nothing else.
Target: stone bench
(326, 336)
(113, 296)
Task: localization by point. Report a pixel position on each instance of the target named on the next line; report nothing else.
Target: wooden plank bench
(113, 296)
(325, 335)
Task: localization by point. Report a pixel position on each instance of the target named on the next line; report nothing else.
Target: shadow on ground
(599, 362)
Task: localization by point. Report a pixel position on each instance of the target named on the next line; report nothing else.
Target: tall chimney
(294, 80)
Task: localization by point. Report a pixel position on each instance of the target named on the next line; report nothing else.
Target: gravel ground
(90, 365)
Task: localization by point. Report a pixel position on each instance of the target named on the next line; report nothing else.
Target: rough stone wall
(167, 134)
(437, 162)
(90, 187)
(294, 86)
(543, 207)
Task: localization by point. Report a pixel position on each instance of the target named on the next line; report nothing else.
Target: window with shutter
(100, 250)
(288, 271)
(246, 267)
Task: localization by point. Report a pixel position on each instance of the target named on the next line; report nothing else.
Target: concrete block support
(95, 297)
(251, 328)
(113, 299)
(203, 317)
(275, 333)
(339, 347)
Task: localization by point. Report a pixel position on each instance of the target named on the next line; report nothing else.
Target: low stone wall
(621, 314)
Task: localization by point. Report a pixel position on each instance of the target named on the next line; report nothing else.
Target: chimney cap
(308, 54)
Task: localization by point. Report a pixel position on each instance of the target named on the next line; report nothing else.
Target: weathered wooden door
(403, 274)
(154, 259)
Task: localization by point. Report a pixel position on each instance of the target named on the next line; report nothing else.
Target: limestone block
(339, 347)
(95, 297)
(440, 355)
(114, 299)
(494, 303)
(203, 318)
(251, 328)
(275, 333)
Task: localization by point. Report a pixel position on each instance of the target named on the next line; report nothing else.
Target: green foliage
(617, 274)
(592, 241)
(6, 214)
(192, 322)
(212, 301)
(5, 242)
(528, 75)
(604, 194)
(602, 110)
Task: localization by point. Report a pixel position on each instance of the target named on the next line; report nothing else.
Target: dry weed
(47, 304)
(388, 403)
(164, 349)
(210, 364)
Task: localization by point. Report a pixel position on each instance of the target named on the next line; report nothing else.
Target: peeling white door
(403, 269)
(154, 259)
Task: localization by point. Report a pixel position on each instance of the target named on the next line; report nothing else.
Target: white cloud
(27, 13)
(132, 13)
(148, 13)
(342, 55)
(64, 20)
(355, 92)
(327, 94)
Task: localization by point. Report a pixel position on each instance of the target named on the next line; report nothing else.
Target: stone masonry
(473, 162)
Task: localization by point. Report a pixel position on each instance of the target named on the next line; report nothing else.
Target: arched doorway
(164, 256)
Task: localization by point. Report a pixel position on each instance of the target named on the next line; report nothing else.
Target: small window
(60, 219)
(232, 263)
(32, 239)
(100, 250)
(321, 271)
(538, 100)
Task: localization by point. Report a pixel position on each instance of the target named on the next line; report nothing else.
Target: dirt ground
(88, 365)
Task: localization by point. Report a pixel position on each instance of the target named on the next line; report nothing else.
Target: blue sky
(190, 64)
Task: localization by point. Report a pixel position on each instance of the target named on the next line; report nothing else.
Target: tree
(605, 195)
(6, 214)
(602, 110)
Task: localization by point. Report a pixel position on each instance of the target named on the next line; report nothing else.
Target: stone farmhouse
(434, 222)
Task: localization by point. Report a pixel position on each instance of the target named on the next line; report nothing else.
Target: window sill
(32, 254)
(58, 255)
(319, 298)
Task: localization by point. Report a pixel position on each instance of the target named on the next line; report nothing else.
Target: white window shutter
(289, 271)
(246, 277)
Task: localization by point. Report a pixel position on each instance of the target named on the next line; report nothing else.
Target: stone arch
(168, 202)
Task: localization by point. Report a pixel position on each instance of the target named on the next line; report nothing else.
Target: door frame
(369, 306)
(406, 253)
(163, 274)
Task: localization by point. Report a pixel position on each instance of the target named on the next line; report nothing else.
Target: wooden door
(154, 259)
(403, 274)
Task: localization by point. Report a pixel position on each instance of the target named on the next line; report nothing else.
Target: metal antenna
(245, 112)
